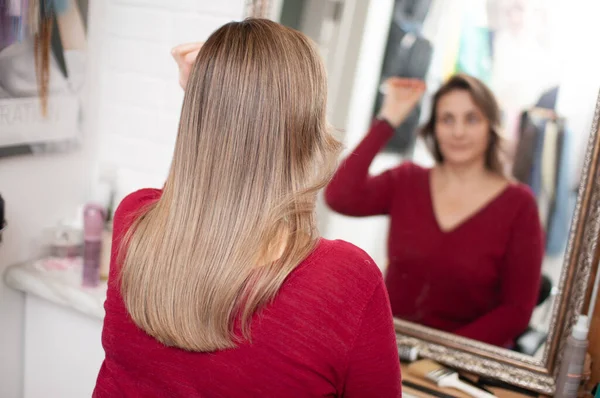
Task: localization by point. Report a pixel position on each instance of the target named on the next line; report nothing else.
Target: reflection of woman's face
(461, 129)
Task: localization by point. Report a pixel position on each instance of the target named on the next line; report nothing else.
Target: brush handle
(407, 395)
(452, 381)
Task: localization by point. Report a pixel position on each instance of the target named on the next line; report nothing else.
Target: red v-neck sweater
(328, 333)
(480, 280)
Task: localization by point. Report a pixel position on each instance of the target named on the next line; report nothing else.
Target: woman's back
(328, 332)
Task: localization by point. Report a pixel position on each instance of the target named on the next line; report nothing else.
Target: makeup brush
(408, 353)
(444, 378)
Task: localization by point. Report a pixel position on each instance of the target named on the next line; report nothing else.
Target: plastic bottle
(571, 367)
(93, 226)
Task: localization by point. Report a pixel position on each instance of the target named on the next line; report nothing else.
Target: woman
(219, 284)
(465, 243)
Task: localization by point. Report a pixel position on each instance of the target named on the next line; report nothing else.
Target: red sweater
(480, 280)
(328, 333)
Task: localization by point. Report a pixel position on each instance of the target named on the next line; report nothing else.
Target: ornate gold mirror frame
(258, 8)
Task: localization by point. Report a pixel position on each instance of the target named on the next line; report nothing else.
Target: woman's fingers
(191, 57)
(182, 51)
(402, 83)
(185, 55)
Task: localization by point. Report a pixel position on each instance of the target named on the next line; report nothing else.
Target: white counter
(59, 286)
(63, 326)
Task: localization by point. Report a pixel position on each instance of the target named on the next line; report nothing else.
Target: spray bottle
(571, 367)
(93, 226)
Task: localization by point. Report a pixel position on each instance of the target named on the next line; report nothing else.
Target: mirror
(485, 285)
(482, 271)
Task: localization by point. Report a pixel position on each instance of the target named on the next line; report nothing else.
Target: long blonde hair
(253, 149)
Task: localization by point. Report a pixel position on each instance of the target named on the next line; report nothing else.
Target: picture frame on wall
(42, 75)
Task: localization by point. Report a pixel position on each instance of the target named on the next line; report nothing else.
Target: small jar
(66, 243)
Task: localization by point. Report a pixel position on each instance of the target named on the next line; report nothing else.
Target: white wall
(580, 80)
(131, 120)
(141, 100)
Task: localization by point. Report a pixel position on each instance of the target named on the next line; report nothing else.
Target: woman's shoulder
(520, 201)
(344, 265)
(409, 169)
(133, 203)
(521, 194)
(336, 283)
(137, 199)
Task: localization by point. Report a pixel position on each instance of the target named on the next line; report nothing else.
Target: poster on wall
(42, 74)
(407, 54)
(515, 47)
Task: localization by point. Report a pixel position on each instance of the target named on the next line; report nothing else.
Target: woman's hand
(185, 55)
(401, 96)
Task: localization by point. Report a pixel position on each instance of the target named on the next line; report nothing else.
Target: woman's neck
(275, 249)
(462, 175)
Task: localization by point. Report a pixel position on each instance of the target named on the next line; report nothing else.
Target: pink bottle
(93, 225)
